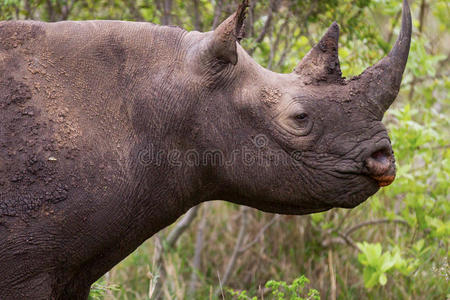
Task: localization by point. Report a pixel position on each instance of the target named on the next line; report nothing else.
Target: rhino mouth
(290, 209)
(366, 187)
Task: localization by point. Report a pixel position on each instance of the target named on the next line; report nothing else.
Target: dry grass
(289, 246)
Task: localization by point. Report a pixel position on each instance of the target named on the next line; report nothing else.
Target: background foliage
(393, 246)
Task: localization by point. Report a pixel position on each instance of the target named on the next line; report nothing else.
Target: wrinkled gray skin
(91, 113)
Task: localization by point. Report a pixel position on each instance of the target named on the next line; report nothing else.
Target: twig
(423, 6)
(135, 12)
(373, 222)
(181, 226)
(332, 275)
(220, 285)
(287, 47)
(273, 6)
(274, 47)
(199, 241)
(259, 234)
(394, 24)
(251, 11)
(217, 13)
(197, 15)
(348, 240)
(345, 237)
(155, 284)
(347, 213)
(236, 251)
(170, 241)
(268, 23)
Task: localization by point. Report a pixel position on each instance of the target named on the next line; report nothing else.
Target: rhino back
(75, 99)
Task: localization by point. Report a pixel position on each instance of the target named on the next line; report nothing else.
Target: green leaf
(382, 279)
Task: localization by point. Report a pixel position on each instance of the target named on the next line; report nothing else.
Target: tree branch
(259, 234)
(251, 16)
(273, 6)
(423, 7)
(181, 226)
(274, 47)
(344, 238)
(217, 13)
(169, 243)
(199, 241)
(332, 275)
(374, 222)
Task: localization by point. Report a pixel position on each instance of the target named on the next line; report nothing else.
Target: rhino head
(301, 142)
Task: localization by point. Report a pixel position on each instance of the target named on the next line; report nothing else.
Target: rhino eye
(297, 123)
(301, 117)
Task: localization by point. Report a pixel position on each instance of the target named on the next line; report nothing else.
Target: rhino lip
(384, 180)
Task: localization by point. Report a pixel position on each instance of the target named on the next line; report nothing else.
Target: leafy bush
(281, 290)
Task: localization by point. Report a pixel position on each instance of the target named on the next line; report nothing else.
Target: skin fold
(110, 130)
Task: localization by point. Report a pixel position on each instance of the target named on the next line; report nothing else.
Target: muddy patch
(28, 167)
(14, 34)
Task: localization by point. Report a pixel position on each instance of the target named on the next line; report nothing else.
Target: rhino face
(343, 154)
(331, 148)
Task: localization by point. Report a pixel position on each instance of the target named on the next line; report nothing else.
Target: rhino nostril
(378, 162)
(381, 167)
(381, 156)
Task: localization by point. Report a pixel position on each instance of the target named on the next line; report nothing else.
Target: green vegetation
(393, 246)
(280, 290)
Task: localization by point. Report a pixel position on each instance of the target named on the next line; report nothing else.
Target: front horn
(380, 83)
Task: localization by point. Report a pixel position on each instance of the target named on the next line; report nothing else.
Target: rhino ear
(223, 42)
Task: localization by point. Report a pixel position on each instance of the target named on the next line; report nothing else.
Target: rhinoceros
(111, 130)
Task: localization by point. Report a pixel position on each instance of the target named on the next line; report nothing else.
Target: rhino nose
(381, 166)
